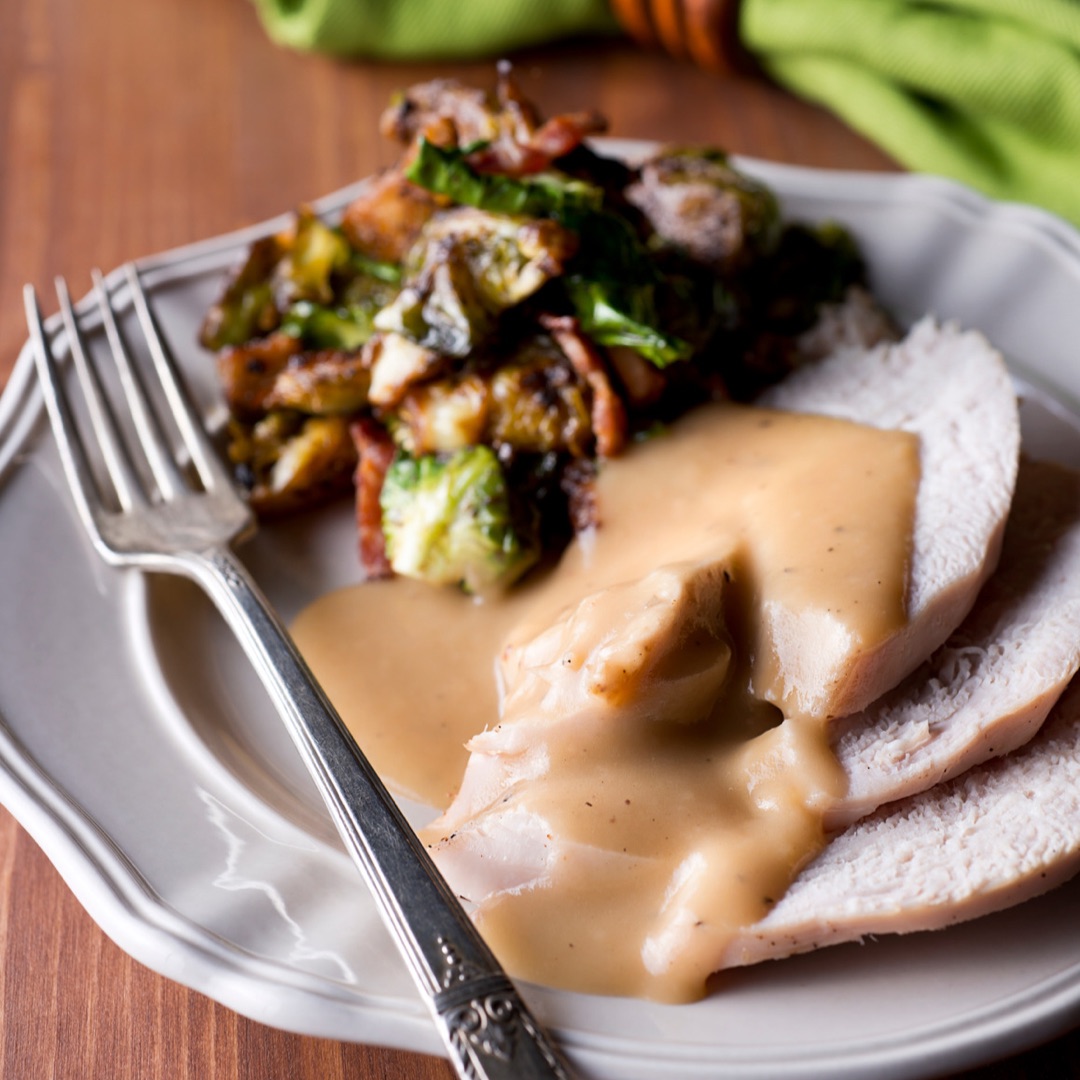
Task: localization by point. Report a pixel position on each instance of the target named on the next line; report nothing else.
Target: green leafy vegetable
(467, 267)
(246, 307)
(441, 310)
(614, 275)
(388, 272)
(307, 270)
(448, 521)
(320, 327)
(611, 315)
(446, 171)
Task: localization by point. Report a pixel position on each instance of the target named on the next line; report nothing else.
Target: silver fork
(180, 514)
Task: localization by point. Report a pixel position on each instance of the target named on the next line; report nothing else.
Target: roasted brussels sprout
(306, 271)
(290, 462)
(448, 521)
(384, 221)
(500, 312)
(538, 404)
(698, 202)
(246, 307)
(467, 267)
(444, 415)
(330, 382)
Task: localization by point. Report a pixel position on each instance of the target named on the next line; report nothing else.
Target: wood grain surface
(131, 127)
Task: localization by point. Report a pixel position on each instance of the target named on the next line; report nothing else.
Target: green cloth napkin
(428, 29)
(984, 91)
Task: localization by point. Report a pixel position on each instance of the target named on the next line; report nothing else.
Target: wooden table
(131, 127)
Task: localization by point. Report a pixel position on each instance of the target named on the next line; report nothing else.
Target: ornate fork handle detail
(489, 1030)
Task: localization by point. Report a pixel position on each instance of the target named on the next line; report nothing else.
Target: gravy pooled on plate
(639, 704)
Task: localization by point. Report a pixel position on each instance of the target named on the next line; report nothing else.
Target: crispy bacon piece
(518, 143)
(642, 382)
(607, 412)
(376, 451)
(553, 139)
(530, 145)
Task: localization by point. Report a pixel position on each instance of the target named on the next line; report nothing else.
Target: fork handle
(486, 1026)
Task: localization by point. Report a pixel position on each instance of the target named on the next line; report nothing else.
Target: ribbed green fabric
(428, 29)
(984, 91)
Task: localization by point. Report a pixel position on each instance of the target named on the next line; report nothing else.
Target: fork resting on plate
(155, 496)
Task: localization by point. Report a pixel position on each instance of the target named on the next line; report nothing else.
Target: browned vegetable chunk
(385, 221)
(538, 404)
(443, 416)
(397, 364)
(293, 462)
(516, 141)
(323, 383)
(248, 372)
(697, 202)
(246, 306)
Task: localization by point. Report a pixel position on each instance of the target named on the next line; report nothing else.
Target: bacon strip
(376, 451)
(553, 139)
(607, 412)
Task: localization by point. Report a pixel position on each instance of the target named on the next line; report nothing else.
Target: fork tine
(147, 429)
(206, 461)
(69, 443)
(117, 463)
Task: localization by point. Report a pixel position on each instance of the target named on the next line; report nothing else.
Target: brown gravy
(673, 804)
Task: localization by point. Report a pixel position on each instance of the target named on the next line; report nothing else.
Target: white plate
(137, 749)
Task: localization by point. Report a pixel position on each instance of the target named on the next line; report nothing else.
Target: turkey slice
(952, 389)
(990, 686)
(1001, 833)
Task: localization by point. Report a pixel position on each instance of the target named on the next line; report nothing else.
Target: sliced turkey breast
(932, 860)
(951, 389)
(990, 686)
(1001, 833)
(498, 840)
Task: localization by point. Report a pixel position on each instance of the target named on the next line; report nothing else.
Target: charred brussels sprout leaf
(290, 462)
(446, 171)
(441, 309)
(347, 322)
(448, 521)
(613, 291)
(620, 316)
(813, 265)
